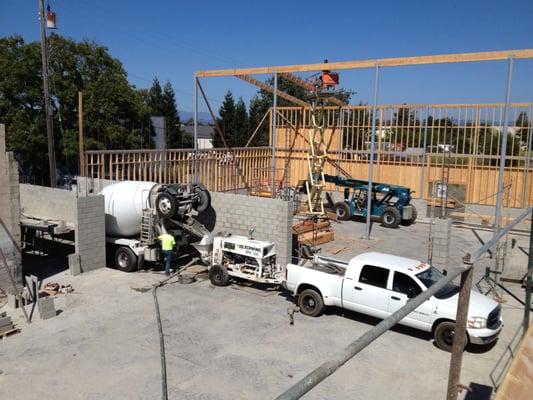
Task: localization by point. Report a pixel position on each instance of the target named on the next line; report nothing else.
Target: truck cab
(379, 284)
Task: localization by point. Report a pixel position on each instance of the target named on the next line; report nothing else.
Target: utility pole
(47, 103)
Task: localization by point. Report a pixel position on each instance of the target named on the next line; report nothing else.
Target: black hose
(161, 347)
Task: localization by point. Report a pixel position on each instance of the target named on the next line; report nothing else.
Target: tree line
(116, 113)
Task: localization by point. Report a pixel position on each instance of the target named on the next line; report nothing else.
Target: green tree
(226, 122)
(115, 115)
(241, 124)
(170, 112)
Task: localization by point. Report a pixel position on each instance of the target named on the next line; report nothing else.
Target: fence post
(459, 338)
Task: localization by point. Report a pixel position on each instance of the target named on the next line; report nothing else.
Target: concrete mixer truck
(136, 213)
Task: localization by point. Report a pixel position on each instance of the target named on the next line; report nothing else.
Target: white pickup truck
(378, 284)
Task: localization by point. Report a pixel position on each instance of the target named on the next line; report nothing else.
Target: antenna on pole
(46, 89)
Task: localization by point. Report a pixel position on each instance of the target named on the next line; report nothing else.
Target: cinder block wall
(90, 235)
(47, 203)
(272, 219)
(9, 213)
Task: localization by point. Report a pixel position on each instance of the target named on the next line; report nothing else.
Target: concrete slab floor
(231, 343)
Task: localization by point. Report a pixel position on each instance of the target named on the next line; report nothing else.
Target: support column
(424, 157)
(372, 150)
(274, 133)
(529, 281)
(525, 196)
(195, 132)
(503, 149)
(459, 338)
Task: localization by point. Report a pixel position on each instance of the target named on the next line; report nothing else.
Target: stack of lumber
(6, 325)
(313, 233)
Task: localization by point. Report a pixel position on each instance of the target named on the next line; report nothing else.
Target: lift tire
(204, 198)
(125, 259)
(342, 210)
(444, 334)
(391, 217)
(411, 221)
(166, 205)
(218, 275)
(311, 303)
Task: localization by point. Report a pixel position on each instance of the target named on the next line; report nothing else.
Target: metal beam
(271, 89)
(381, 62)
(372, 150)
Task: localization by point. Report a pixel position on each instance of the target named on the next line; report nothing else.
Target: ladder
(316, 158)
(147, 226)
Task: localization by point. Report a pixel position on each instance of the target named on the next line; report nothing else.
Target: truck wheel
(218, 275)
(204, 198)
(391, 217)
(165, 204)
(125, 259)
(342, 210)
(444, 334)
(311, 303)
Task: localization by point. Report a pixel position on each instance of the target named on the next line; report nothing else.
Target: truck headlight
(477, 322)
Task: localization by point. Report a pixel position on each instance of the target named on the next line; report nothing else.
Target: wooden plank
(382, 62)
(270, 89)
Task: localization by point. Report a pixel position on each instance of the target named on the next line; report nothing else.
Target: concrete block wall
(441, 236)
(87, 186)
(9, 213)
(90, 235)
(47, 203)
(272, 219)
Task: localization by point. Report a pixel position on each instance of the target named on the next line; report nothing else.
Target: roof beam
(382, 62)
(270, 89)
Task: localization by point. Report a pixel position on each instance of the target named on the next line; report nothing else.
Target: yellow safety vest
(167, 241)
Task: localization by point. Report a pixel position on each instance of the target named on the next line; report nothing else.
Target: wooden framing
(270, 89)
(400, 153)
(381, 62)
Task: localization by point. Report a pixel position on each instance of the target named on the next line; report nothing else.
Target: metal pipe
(372, 149)
(312, 379)
(195, 134)
(503, 152)
(424, 156)
(529, 280)
(274, 133)
(459, 337)
(47, 101)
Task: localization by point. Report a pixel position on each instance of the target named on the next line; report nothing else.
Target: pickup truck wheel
(342, 210)
(218, 275)
(311, 303)
(444, 334)
(125, 259)
(391, 217)
(166, 205)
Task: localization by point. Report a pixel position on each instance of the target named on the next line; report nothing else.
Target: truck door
(404, 288)
(367, 293)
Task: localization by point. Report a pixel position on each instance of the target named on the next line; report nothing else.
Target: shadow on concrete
(478, 392)
(46, 258)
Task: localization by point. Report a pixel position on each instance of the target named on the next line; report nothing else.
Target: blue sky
(171, 40)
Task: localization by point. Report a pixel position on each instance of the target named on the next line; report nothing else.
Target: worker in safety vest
(167, 245)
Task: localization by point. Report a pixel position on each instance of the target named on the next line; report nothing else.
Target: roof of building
(203, 131)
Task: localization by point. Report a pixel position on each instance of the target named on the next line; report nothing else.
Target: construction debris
(46, 308)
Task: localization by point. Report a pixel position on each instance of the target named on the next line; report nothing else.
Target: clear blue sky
(172, 39)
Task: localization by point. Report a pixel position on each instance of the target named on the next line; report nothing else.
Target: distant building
(205, 135)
